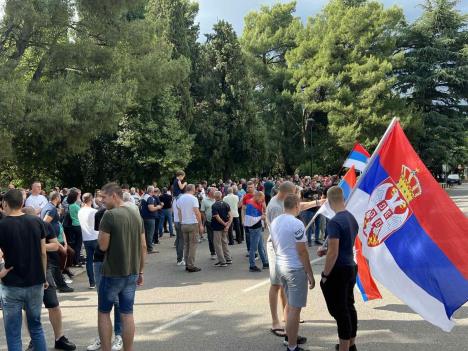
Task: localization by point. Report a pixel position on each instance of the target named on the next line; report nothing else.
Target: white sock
(292, 348)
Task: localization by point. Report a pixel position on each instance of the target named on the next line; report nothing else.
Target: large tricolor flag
(364, 281)
(413, 235)
(358, 157)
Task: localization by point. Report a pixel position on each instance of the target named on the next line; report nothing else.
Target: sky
(234, 11)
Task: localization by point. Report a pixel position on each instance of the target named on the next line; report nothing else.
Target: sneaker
(92, 286)
(68, 281)
(117, 344)
(266, 266)
(181, 263)
(219, 264)
(213, 257)
(296, 349)
(229, 261)
(64, 344)
(300, 340)
(254, 269)
(96, 345)
(193, 269)
(66, 289)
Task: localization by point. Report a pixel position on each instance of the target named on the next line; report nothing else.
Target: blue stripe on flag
(427, 265)
(373, 177)
(361, 289)
(354, 155)
(346, 189)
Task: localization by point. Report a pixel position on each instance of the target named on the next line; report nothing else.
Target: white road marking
(175, 321)
(267, 281)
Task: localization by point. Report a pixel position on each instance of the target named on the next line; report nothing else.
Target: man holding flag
(339, 273)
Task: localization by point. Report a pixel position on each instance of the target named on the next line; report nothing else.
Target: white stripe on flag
(387, 272)
(359, 165)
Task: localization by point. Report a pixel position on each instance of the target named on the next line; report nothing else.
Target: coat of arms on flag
(389, 206)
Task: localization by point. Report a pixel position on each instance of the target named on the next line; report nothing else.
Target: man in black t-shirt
(339, 273)
(220, 222)
(166, 212)
(22, 240)
(50, 298)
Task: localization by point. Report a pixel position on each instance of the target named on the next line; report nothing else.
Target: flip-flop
(279, 332)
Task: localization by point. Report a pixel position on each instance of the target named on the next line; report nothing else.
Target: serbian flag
(364, 281)
(412, 234)
(358, 158)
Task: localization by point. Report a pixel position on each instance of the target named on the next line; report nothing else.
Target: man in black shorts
(50, 299)
(339, 273)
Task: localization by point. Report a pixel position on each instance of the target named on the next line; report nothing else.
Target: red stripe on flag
(367, 282)
(350, 177)
(361, 149)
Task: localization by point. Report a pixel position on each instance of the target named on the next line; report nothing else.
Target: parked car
(454, 179)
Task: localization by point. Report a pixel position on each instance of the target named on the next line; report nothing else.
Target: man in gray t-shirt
(274, 209)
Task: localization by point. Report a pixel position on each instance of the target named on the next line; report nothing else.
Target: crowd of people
(112, 230)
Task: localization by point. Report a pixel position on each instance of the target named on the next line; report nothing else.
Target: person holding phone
(293, 266)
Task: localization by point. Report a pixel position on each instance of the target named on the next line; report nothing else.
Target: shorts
(113, 288)
(50, 298)
(274, 277)
(294, 282)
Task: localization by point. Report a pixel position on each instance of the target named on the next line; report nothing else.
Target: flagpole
(374, 155)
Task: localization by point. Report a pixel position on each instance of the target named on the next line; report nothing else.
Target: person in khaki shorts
(221, 222)
(191, 225)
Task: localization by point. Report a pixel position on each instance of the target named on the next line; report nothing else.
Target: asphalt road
(227, 309)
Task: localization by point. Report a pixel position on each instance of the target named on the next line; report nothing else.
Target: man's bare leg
(128, 331)
(344, 345)
(55, 318)
(292, 326)
(273, 298)
(105, 330)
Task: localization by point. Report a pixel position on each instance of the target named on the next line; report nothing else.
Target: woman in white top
(90, 236)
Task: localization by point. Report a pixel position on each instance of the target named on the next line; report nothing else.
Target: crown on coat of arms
(408, 184)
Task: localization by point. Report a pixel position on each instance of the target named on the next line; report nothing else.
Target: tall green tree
(269, 34)
(343, 70)
(228, 135)
(434, 81)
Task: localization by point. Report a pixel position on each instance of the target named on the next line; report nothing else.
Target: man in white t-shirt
(90, 236)
(191, 225)
(36, 200)
(292, 265)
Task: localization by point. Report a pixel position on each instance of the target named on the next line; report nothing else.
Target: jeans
(235, 226)
(97, 278)
(179, 242)
(166, 213)
(306, 217)
(149, 232)
(256, 243)
(157, 233)
(90, 247)
(76, 242)
(122, 288)
(14, 300)
(210, 238)
(247, 238)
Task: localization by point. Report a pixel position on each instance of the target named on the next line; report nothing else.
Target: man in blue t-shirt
(339, 273)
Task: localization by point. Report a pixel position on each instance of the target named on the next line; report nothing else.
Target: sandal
(279, 332)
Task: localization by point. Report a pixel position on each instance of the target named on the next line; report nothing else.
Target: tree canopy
(92, 91)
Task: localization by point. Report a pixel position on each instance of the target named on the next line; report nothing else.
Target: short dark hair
(125, 186)
(72, 196)
(113, 188)
(180, 173)
(14, 199)
(291, 201)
